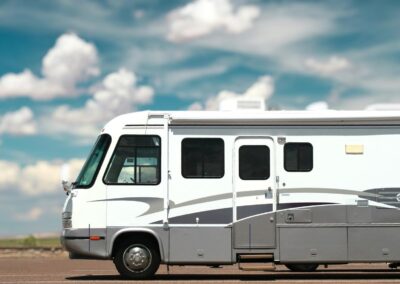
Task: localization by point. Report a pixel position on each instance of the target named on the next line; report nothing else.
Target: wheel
(137, 259)
(302, 267)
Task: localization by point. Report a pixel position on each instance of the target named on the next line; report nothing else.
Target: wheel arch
(125, 233)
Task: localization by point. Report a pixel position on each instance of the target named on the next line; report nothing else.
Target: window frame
(298, 171)
(269, 162)
(134, 184)
(223, 158)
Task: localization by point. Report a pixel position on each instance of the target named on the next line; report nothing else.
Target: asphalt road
(59, 269)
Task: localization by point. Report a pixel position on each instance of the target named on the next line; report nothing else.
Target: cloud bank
(19, 122)
(118, 93)
(263, 89)
(70, 61)
(202, 17)
(333, 65)
(42, 177)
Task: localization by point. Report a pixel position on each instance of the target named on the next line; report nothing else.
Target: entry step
(256, 262)
(257, 266)
(268, 256)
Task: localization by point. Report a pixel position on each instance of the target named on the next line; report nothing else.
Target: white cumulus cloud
(333, 65)
(202, 17)
(283, 31)
(38, 178)
(318, 106)
(9, 174)
(263, 89)
(119, 93)
(70, 61)
(42, 177)
(19, 122)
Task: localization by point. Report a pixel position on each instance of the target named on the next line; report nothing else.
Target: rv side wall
(320, 194)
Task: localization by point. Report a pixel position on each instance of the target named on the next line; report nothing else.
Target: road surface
(59, 269)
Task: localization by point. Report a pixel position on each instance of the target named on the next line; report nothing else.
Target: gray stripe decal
(389, 196)
(250, 210)
(251, 193)
(156, 204)
(221, 216)
(217, 216)
(284, 206)
(203, 200)
(224, 215)
(219, 197)
(327, 191)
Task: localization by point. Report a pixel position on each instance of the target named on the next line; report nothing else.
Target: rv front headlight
(67, 220)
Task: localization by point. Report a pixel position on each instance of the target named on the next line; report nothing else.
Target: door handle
(268, 193)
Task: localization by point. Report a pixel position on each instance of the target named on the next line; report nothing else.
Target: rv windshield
(90, 169)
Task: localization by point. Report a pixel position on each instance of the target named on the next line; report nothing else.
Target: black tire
(302, 267)
(144, 256)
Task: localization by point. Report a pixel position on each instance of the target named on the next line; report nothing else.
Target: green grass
(30, 242)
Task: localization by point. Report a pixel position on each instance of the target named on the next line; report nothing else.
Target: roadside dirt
(21, 253)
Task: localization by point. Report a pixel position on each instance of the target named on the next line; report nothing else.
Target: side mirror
(66, 186)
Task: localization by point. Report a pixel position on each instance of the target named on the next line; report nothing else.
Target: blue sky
(67, 67)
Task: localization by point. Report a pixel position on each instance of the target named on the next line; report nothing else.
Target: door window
(254, 162)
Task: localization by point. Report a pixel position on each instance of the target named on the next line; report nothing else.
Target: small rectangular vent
(242, 104)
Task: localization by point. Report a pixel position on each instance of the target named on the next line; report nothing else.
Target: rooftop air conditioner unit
(242, 104)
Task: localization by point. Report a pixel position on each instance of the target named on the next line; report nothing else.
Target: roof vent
(243, 104)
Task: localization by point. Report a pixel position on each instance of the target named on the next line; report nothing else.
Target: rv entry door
(254, 192)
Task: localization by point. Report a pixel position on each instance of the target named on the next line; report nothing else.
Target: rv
(301, 189)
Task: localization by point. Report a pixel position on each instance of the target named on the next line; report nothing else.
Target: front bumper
(77, 242)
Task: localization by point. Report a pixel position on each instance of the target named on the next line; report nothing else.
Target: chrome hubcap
(137, 258)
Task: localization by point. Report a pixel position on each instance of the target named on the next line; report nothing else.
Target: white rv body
(342, 206)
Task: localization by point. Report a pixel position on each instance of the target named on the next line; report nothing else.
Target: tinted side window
(202, 158)
(254, 161)
(298, 157)
(136, 160)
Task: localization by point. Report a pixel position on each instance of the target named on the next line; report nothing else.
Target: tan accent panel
(355, 149)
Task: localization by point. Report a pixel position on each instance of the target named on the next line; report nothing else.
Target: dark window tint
(298, 157)
(254, 162)
(203, 158)
(136, 160)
